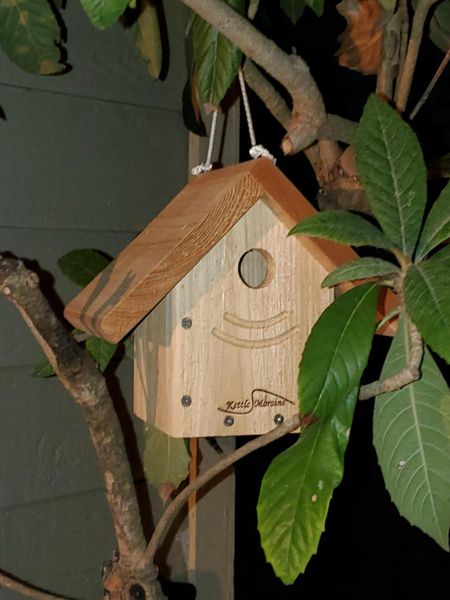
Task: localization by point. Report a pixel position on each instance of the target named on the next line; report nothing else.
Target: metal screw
(186, 400)
(186, 323)
(229, 421)
(278, 419)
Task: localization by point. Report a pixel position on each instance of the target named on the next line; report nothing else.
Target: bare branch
(267, 93)
(308, 110)
(81, 377)
(25, 589)
(228, 460)
(389, 54)
(431, 85)
(338, 129)
(406, 376)
(404, 84)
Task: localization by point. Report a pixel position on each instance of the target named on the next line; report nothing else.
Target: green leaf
(437, 224)
(104, 13)
(316, 5)
(293, 502)
(337, 350)
(392, 170)
(216, 60)
(100, 350)
(293, 9)
(81, 266)
(359, 269)
(146, 33)
(440, 26)
(343, 227)
(411, 434)
(30, 34)
(44, 369)
(166, 459)
(427, 297)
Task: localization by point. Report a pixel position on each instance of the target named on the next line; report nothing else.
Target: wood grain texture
(243, 367)
(181, 235)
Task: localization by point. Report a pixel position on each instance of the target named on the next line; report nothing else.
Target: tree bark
(308, 110)
(79, 374)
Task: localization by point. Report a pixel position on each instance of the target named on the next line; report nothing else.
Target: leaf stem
(406, 376)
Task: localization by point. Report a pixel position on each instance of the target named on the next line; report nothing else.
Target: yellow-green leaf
(30, 35)
(166, 459)
(148, 38)
(293, 502)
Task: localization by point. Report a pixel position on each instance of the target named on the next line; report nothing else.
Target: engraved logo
(259, 399)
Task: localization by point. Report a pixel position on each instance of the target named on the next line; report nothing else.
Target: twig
(389, 54)
(404, 33)
(81, 377)
(308, 110)
(228, 460)
(25, 589)
(431, 85)
(406, 376)
(406, 77)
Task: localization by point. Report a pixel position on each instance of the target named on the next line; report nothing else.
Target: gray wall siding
(86, 160)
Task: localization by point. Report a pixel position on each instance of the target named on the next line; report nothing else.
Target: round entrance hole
(256, 268)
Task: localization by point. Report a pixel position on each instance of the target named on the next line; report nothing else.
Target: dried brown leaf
(361, 40)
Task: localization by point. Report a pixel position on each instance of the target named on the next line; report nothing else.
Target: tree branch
(167, 517)
(267, 93)
(308, 110)
(431, 85)
(80, 376)
(29, 591)
(406, 376)
(407, 74)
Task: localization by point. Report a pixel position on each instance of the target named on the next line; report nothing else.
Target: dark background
(368, 550)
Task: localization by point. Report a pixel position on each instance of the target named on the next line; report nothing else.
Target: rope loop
(259, 151)
(256, 150)
(207, 165)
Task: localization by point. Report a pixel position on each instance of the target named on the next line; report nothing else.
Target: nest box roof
(180, 236)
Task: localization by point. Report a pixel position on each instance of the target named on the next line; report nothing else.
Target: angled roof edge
(180, 236)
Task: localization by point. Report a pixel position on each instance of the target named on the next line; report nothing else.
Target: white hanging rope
(256, 150)
(207, 165)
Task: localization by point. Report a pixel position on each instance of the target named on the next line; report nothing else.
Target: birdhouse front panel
(219, 354)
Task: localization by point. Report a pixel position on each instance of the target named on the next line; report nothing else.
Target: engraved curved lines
(235, 320)
(263, 324)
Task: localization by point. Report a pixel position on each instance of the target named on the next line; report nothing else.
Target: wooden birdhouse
(222, 302)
